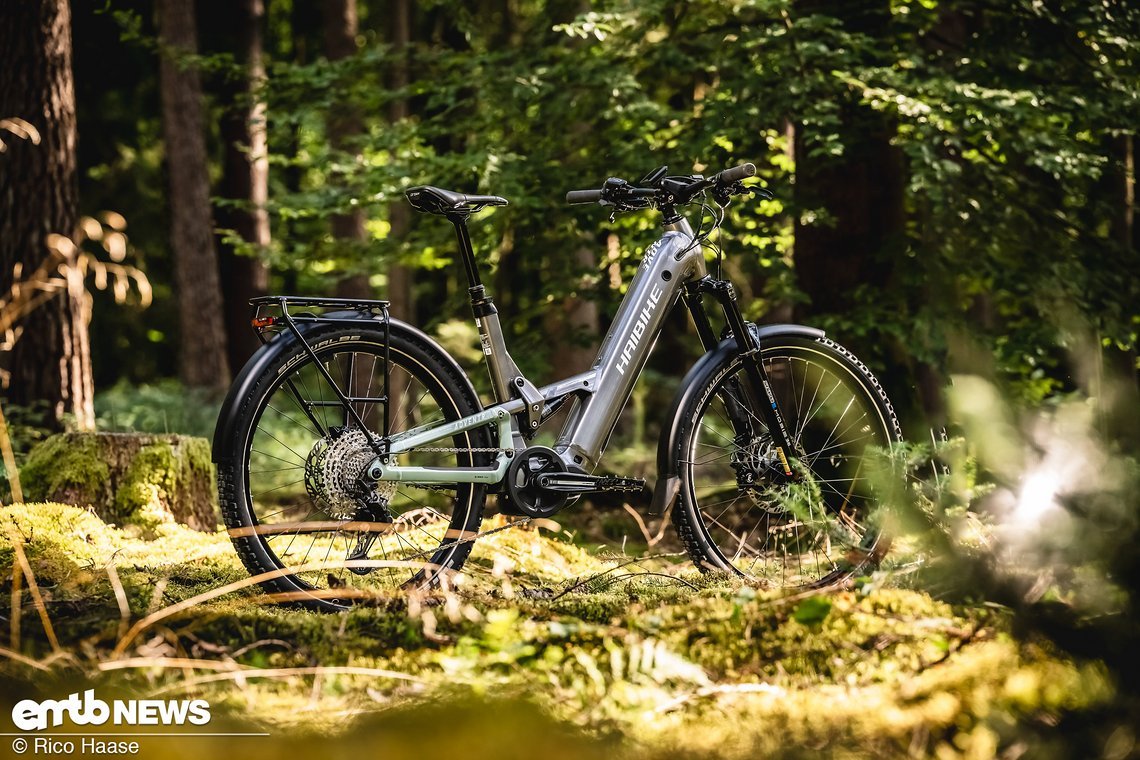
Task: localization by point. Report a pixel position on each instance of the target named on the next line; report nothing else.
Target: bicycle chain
(450, 449)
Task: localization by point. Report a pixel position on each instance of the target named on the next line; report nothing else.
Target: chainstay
(454, 449)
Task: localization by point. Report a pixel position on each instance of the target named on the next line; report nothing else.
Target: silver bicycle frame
(600, 394)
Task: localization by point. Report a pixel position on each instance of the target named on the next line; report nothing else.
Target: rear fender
(224, 444)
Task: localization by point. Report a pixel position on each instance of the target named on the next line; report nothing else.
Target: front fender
(668, 482)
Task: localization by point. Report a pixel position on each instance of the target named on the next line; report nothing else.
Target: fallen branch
(17, 657)
(17, 542)
(646, 573)
(254, 580)
(240, 673)
(120, 598)
(716, 691)
(607, 571)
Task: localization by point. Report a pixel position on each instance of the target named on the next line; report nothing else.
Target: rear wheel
(292, 498)
(736, 514)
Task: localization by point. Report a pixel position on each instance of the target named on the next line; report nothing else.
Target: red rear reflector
(260, 322)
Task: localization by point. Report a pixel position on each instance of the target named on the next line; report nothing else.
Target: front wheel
(735, 514)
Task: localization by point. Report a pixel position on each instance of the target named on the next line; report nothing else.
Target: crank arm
(575, 482)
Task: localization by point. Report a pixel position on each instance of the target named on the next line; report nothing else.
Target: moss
(722, 670)
(67, 468)
(149, 484)
(162, 476)
(140, 480)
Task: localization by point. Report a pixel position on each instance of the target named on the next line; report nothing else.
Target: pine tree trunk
(50, 365)
(245, 178)
(400, 279)
(863, 190)
(202, 348)
(340, 29)
(574, 326)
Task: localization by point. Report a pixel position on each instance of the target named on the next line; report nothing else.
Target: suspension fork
(760, 389)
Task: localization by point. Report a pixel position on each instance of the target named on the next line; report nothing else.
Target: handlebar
(737, 173)
(583, 196)
(668, 190)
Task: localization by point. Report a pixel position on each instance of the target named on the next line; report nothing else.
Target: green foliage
(162, 407)
(812, 611)
(1010, 120)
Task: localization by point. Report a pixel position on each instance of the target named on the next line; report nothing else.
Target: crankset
(579, 482)
(538, 483)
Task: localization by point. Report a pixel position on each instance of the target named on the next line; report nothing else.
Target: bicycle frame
(598, 395)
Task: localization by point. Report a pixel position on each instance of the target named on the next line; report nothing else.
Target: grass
(548, 646)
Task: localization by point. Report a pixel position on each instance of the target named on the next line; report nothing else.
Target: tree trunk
(340, 28)
(127, 478)
(245, 179)
(400, 278)
(202, 347)
(51, 363)
(862, 190)
(573, 325)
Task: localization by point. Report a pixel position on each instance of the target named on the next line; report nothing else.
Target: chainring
(522, 477)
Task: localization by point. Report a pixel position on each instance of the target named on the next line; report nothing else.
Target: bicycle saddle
(435, 200)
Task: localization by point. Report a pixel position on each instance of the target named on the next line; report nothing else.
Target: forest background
(953, 181)
(954, 201)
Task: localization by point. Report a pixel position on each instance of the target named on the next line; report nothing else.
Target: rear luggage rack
(273, 315)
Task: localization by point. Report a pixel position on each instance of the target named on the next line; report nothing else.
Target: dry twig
(17, 542)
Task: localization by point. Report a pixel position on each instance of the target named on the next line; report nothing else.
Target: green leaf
(812, 611)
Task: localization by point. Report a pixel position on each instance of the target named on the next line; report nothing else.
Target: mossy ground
(524, 659)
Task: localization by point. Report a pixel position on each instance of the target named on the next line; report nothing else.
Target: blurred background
(954, 201)
(953, 181)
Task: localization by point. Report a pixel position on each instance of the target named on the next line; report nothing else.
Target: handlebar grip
(583, 196)
(737, 173)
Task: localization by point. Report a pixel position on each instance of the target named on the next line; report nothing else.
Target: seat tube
(500, 366)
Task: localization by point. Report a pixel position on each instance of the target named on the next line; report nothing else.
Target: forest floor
(554, 647)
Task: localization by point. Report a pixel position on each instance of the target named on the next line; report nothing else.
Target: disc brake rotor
(753, 460)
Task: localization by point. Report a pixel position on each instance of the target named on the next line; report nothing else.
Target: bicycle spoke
(294, 462)
(790, 534)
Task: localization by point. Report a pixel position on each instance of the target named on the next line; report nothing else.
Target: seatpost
(506, 379)
(481, 303)
(465, 250)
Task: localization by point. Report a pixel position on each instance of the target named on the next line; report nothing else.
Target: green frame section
(425, 434)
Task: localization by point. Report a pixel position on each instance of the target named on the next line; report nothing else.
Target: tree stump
(127, 478)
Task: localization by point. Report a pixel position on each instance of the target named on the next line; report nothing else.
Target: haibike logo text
(639, 328)
(651, 253)
(30, 715)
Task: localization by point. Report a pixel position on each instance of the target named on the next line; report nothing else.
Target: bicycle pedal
(575, 482)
